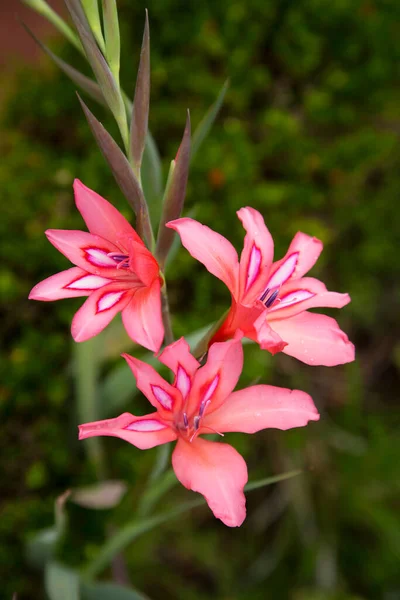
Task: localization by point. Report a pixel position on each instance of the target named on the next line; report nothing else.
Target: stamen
(269, 302)
(265, 294)
(122, 260)
(196, 422)
(203, 407)
(185, 421)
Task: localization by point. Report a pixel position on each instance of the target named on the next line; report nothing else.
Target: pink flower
(200, 401)
(113, 267)
(270, 299)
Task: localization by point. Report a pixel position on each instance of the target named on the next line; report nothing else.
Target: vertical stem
(166, 317)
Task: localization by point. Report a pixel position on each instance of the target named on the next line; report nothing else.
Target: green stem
(202, 346)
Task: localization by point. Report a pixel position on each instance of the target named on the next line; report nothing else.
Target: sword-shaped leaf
(100, 68)
(205, 124)
(85, 83)
(91, 8)
(42, 8)
(112, 37)
(174, 195)
(123, 174)
(140, 112)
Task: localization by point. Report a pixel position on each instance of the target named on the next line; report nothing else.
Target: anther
(122, 260)
(265, 294)
(203, 407)
(269, 302)
(185, 421)
(196, 422)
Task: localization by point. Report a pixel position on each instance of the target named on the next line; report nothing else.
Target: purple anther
(118, 257)
(269, 302)
(203, 407)
(185, 421)
(265, 294)
(196, 422)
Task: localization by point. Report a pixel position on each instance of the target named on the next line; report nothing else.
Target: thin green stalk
(42, 8)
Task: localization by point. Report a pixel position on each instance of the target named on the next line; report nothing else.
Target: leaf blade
(206, 123)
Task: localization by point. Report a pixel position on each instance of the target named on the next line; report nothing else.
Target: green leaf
(123, 174)
(137, 527)
(151, 175)
(91, 8)
(158, 488)
(109, 591)
(174, 196)
(85, 83)
(61, 583)
(104, 77)
(111, 31)
(41, 546)
(42, 8)
(141, 101)
(205, 124)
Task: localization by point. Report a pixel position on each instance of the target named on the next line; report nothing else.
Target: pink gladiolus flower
(113, 267)
(201, 401)
(270, 299)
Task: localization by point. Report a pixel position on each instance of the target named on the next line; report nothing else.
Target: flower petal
(218, 377)
(67, 284)
(218, 472)
(161, 394)
(182, 363)
(143, 432)
(265, 335)
(98, 310)
(310, 293)
(101, 217)
(315, 339)
(143, 263)
(86, 251)
(302, 254)
(210, 248)
(261, 407)
(257, 255)
(142, 317)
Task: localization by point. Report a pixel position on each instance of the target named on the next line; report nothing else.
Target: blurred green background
(308, 135)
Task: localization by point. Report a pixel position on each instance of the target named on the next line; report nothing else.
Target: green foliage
(308, 134)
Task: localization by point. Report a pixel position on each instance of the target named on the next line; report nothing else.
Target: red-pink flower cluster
(270, 302)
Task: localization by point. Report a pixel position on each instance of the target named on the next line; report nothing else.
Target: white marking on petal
(284, 272)
(253, 268)
(99, 257)
(146, 425)
(109, 300)
(88, 282)
(211, 389)
(162, 397)
(183, 382)
(293, 298)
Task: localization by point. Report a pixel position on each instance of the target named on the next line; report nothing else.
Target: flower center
(270, 296)
(122, 260)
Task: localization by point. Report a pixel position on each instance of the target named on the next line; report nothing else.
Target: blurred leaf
(103, 495)
(109, 591)
(123, 174)
(112, 37)
(158, 488)
(140, 112)
(102, 72)
(174, 197)
(40, 547)
(61, 583)
(85, 83)
(254, 485)
(205, 124)
(42, 8)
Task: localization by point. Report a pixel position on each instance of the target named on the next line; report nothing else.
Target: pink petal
(98, 310)
(284, 271)
(315, 339)
(159, 392)
(143, 432)
(219, 376)
(218, 472)
(310, 292)
(178, 354)
(86, 251)
(210, 248)
(257, 255)
(101, 217)
(265, 336)
(67, 284)
(142, 317)
(143, 263)
(262, 407)
(308, 249)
